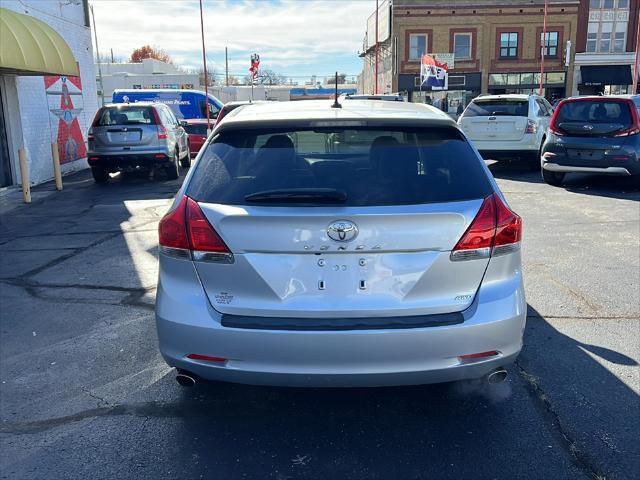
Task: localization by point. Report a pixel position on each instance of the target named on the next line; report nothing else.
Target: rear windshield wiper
(300, 195)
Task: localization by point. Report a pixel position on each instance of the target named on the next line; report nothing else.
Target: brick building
(605, 46)
(47, 86)
(495, 45)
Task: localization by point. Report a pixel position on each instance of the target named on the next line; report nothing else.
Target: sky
(297, 38)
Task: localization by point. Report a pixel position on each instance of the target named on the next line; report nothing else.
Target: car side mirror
(183, 123)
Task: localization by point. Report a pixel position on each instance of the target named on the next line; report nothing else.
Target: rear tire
(186, 161)
(552, 178)
(100, 175)
(172, 170)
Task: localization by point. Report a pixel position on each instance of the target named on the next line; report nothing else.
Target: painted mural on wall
(64, 96)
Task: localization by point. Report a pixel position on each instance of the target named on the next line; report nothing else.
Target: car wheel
(186, 161)
(173, 170)
(100, 175)
(552, 178)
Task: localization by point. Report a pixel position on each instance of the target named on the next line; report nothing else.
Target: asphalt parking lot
(85, 394)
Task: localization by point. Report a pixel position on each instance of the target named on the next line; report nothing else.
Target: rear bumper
(529, 145)
(606, 166)
(128, 161)
(187, 324)
(554, 167)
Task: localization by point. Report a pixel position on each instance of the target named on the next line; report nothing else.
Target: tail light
(532, 127)
(90, 136)
(553, 127)
(162, 131)
(186, 233)
(495, 230)
(634, 128)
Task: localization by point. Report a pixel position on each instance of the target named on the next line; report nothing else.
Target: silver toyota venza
(365, 245)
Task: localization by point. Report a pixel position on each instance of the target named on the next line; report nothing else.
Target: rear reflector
(206, 358)
(495, 230)
(475, 356)
(159, 155)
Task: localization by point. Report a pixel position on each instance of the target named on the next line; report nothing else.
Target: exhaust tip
(498, 375)
(185, 379)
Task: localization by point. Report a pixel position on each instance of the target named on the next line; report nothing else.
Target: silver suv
(319, 246)
(137, 136)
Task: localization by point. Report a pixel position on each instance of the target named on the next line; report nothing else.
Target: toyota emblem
(342, 231)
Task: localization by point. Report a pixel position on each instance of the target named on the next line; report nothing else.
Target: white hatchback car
(507, 126)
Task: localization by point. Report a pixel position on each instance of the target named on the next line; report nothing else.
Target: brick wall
(484, 19)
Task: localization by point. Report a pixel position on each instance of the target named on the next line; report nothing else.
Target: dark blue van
(185, 104)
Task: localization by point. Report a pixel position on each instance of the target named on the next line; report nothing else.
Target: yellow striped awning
(29, 46)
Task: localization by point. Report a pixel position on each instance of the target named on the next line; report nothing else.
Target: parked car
(185, 104)
(196, 129)
(593, 135)
(125, 137)
(507, 126)
(231, 106)
(291, 256)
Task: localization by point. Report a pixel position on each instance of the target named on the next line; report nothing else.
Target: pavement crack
(100, 399)
(568, 443)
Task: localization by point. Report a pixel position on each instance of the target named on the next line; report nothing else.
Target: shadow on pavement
(587, 184)
(580, 389)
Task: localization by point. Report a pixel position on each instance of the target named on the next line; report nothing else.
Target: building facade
(149, 73)
(491, 46)
(605, 47)
(48, 94)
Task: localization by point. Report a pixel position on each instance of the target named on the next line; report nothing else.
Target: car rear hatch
(495, 120)
(339, 222)
(124, 128)
(593, 129)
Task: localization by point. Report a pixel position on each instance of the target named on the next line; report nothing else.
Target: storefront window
(513, 79)
(498, 79)
(462, 46)
(417, 46)
(555, 78)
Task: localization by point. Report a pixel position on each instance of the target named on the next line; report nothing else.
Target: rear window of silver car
(492, 108)
(343, 166)
(133, 115)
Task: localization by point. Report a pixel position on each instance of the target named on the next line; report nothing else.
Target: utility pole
(206, 76)
(112, 61)
(543, 43)
(634, 88)
(375, 87)
(95, 36)
(226, 65)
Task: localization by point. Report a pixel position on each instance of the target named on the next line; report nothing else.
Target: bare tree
(342, 78)
(212, 76)
(267, 77)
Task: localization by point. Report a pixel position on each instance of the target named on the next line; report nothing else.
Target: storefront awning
(598, 75)
(29, 46)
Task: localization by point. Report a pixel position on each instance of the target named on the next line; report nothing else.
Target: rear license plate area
(579, 154)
